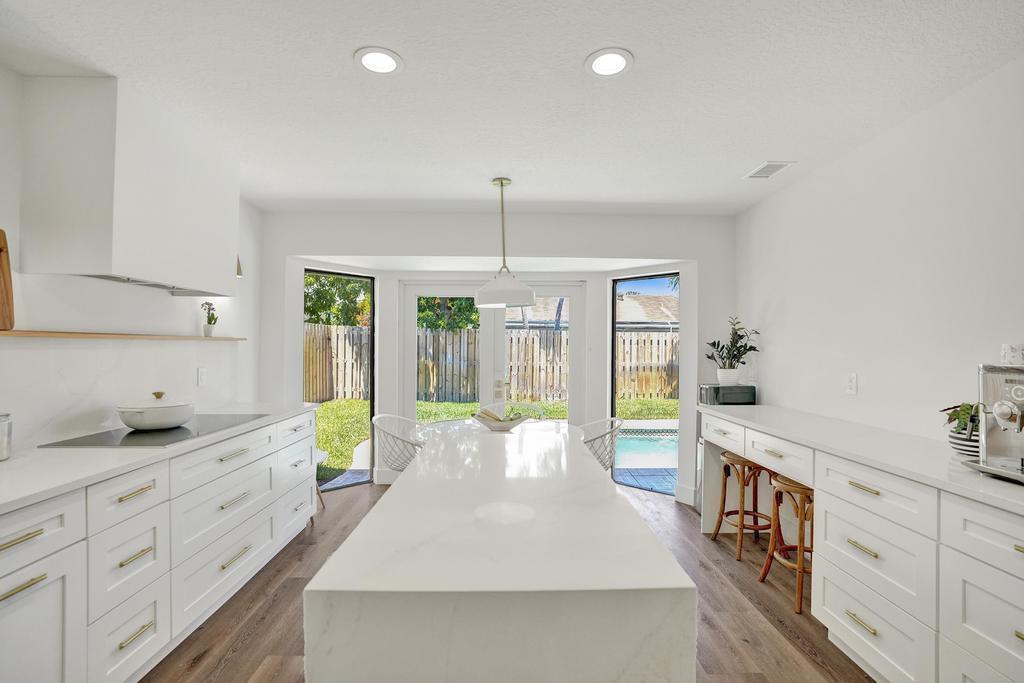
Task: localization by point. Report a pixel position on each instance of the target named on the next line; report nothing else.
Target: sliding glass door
(338, 372)
(645, 380)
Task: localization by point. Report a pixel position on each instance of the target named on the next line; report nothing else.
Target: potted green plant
(211, 318)
(963, 435)
(730, 355)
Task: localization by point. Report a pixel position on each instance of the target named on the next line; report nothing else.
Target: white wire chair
(398, 440)
(600, 436)
(509, 408)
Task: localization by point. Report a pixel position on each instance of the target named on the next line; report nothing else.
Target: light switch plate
(851, 384)
(200, 377)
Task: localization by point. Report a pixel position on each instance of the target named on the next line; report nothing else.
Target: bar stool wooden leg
(721, 501)
(773, 537)
(741, 514)
(801, 515)
(756, 479)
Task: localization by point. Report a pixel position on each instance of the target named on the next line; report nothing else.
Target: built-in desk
(919, 561)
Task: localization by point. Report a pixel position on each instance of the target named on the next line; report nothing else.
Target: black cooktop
(200, 425)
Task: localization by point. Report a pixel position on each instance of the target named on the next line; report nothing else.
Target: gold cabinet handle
(225, 506)
(298, 462)
(721, 432)
(135, 636)
(21, 539)
(233, 454)
(23, 587)
(128, 560)
(298, 507)
(237, 556)
(1018, 548)
(1019, 634)
(863, 548)
(862, 487)
(298, 428)
(137, 492)
(860, 622)
(774, 453)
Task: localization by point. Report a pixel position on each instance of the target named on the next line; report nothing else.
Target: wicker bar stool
(747, 472)
(802, 498)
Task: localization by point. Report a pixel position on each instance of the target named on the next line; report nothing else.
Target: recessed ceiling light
(379, 60)
(609, 61)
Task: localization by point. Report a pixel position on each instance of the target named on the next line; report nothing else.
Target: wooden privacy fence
(337, 363)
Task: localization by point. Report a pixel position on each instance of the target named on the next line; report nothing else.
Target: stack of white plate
(964, 446)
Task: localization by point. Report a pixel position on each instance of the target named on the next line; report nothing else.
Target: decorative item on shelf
(211, 318)
(504, 291)
(6, 286)
(1012, 354)
(730, 355)
(496, 423)
(963, 435)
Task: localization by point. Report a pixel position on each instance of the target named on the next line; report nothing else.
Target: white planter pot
(208, 330)
(728, 377)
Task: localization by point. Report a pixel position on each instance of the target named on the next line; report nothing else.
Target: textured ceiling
(717, 87)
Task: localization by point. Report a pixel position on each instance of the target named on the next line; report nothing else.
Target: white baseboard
(686, 494)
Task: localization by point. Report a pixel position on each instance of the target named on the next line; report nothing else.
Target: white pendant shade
(504, 291)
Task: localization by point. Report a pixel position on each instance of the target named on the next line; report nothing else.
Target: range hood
(117, 188)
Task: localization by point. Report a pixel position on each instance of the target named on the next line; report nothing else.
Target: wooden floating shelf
(114, 335)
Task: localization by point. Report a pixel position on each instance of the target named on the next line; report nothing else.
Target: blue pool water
(645, 459)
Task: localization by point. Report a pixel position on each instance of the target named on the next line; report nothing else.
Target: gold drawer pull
(774, 453)
(234, 559)
(862, 487)
(21, 539)
(298, 462)
(137, 492)
(299, 428)
(863, 548)
(298, 507)
(142, 553)
(23, 587)
(233, 454)
(135, 636)
(1018, 548)
(1019, 634)
(225, 506)
(860, 622)
(721, 432)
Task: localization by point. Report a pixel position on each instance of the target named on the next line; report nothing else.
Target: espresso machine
(1001, 394)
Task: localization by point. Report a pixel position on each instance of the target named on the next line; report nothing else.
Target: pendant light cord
(501, 190)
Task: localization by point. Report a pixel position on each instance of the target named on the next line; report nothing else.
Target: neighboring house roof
(643, 308)
(542, 311)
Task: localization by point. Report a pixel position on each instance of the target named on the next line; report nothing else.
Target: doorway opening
(338, 373)
(645, 380)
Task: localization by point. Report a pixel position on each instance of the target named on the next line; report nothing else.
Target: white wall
(58, 388)
(900, 261)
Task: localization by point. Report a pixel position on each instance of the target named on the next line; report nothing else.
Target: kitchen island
(501, 557)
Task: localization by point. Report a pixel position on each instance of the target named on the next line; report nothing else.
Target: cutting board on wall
(6, 286)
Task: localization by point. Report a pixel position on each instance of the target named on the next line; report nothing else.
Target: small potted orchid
(211, 318)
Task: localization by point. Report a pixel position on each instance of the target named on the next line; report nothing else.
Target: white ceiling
(717, 87)
(489, 264)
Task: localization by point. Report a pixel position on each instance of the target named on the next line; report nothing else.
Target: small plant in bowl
(211, 318)
(730, 355)
(963, 435)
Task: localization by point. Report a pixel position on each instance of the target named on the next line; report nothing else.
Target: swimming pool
(647, 459)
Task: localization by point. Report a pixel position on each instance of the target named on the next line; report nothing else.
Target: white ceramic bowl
(500, 425)
(155, 413)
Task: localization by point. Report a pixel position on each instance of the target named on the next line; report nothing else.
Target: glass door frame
(373, 352)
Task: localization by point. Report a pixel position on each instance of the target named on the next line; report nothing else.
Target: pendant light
(504, 291)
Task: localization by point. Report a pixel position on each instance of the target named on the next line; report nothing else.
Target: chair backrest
(600, 436)
(398, 440)
(508, 408)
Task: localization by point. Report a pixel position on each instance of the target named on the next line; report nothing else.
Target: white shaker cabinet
(43, 619)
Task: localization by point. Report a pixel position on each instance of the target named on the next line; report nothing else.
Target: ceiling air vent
(769, 168)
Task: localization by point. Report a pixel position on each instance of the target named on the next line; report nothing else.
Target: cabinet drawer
(299, 427)
(295, 508)
(194, 469)
(895, 562)
(43, 620)
(785, 457)
(200, 516)
(40, 529)
(898, 646)
(899, 500)
(125, 558)
(722, 433)
(982, 610)
(201, 581)
(987, 533)
(115, 500)
(956, 665)
(130, 634)
(292, 463)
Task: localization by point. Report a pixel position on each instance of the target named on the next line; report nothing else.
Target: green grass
(343, 424)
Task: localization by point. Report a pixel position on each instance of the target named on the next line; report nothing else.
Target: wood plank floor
(747, 630)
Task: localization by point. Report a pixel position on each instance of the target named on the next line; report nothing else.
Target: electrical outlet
(200, 377)
(851, 384)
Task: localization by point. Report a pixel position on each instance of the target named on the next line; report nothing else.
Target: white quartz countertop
(480, 511)
(928, 461)
(35, 474)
